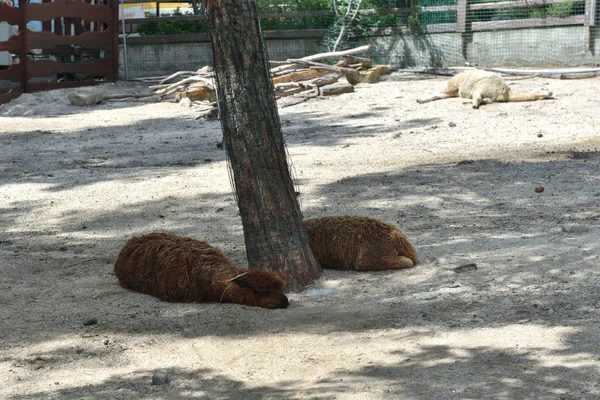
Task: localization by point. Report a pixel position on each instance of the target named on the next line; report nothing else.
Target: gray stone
(427, 295)
(465, 268)
(160, 378)
(86, 98)
(575, 228)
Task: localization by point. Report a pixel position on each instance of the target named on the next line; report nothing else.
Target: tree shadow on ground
(183, 384)
(446, 209)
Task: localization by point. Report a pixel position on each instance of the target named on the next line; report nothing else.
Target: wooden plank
(400, 11)
(527, 23)
(68, 9)
(159, 39)
(165, 19)
(202, 17)
(11, 94)
(403, 30)
(203, 37)
(90, 40)
(14, 44)
(12, 15)
(13, 74)
(297, 14)
(516, 4)
(44, 68)
(296, 33)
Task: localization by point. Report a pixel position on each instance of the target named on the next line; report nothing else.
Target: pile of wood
(298, 75)
(195, 86)
(289, 77)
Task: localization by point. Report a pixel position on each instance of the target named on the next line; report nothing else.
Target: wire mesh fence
(403, 33)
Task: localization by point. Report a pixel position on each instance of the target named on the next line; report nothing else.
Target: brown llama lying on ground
(176, 268)
(484, 87)
(358, 243)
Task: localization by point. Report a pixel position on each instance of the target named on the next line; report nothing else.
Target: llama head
(542, 93)
(262, 288)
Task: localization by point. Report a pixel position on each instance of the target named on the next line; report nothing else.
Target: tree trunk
(275, 237)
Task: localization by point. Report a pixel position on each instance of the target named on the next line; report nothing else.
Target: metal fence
(404, 33)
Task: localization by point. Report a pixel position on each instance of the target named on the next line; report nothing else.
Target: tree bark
(275, 237)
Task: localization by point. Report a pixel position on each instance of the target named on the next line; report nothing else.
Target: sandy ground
(75, 183)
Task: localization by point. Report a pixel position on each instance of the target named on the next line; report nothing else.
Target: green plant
(168, 27)
(563, 9)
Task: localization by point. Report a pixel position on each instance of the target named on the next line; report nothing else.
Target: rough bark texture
(271, 216)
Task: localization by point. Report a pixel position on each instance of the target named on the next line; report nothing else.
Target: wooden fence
(78, 42)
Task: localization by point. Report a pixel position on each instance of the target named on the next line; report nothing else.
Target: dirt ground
(76, 183)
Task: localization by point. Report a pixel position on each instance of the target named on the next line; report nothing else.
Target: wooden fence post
(590, 22)
(24, 54)
(463, 27)
(114, 26)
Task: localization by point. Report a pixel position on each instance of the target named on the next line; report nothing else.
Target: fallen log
(200, 93)
(354, 62)
(352, 75)
(320, 56)
(299, 76)
(289, 88)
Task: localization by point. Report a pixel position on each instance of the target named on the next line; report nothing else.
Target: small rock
(319, 292)
(220, 209)
(540, 135)
(451, 124)
(507, 301)
(502, 114)
(85, 98)
(464, 162)
(539, 189)
(427, 295)
(185, 102)
(465, 268)
(574, 228)
(160, 378)
(90, 321)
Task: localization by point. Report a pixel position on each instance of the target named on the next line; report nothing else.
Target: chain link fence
(406, 34)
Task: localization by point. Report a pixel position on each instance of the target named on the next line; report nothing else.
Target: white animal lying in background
(484, 87)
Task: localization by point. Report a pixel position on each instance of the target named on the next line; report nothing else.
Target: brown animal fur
(352, 242)
(176, 268)
(484, 87)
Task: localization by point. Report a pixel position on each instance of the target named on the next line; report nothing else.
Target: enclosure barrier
(57, 44)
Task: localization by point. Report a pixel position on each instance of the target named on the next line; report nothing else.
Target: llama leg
(398, 262)
(373, 262)
(438, 96)
(476, 100)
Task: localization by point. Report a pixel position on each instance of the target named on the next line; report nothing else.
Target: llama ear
(242, 281)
